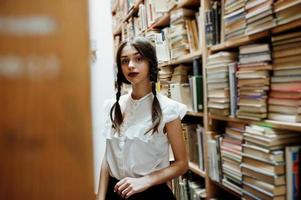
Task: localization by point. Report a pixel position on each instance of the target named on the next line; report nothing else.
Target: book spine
(233, 89)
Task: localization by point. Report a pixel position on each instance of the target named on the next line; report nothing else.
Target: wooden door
(45, 118)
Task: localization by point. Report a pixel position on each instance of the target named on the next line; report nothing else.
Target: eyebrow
(137, 53)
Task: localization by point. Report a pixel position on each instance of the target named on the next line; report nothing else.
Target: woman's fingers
(125, 192)
(118, 185)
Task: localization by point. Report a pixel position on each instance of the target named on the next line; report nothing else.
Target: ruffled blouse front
(132, 153)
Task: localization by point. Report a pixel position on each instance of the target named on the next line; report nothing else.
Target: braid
(156, 109)
(117, 120)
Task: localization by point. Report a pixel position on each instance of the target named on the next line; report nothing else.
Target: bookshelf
(268, 123)
(213, 124)
(194, 168)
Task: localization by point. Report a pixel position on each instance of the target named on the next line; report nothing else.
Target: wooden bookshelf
(267, 123)
(227, 189)
(213, 188)
(184, 59)
(195, 169)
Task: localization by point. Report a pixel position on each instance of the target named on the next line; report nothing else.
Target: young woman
(138, 130)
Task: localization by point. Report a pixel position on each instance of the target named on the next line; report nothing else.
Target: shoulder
(171, 109)
(107, 105)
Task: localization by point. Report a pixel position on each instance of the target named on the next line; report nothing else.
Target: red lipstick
(133, 74)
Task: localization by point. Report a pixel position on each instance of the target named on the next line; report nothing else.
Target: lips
(133, 74)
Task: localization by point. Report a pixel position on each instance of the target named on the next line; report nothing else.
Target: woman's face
(134, 66)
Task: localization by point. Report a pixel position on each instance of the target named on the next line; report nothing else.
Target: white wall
(101, 73)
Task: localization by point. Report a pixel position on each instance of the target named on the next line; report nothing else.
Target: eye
(124, 61)
(139, 59)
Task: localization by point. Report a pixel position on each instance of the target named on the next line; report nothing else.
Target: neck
(140, 91)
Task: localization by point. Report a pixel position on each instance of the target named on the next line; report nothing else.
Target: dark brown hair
(147, 50)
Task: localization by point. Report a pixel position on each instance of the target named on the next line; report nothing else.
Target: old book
(264, 153)
(290, 110)
(263, 175)
(265, 187)
(285, 117)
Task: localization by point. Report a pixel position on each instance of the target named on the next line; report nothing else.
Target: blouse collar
(138, 101)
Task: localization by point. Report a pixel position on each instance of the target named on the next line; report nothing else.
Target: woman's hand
(129, 186)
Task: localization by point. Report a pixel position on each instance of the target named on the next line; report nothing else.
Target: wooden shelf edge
(227, 189)
(132, 10)
(183, 59)
(267, 122)
(287, 26)
(195, 114)
(250, 38)
(193, 167)
(160, 22)
(188, 3)
(238, 42)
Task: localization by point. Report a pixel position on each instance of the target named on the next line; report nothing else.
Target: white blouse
(134, 153)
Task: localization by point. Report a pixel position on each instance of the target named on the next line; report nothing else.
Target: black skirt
(157, 192)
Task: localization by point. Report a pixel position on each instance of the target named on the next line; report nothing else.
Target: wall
(101, 73)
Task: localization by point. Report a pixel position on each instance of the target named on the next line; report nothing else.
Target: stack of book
(259, 16)
(234, 19)
(159, 39)
(285, 96)
(194, 144)
(213, 24)
(263, 163)
(218, 83)
(165, 74)
(186, 189)
(179, 36)
(181, 92)
(196, 86)
(253, 81)
(180, 74)
(230, 147)
(293, 167)
(287, 11)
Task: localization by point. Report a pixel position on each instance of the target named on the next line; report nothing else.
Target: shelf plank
(193, 167)
(267, 122)
(288, 26)
(238, 42)
(195, 114)
(161, 22)
(134, 9)
(251, 38)
(188, 3)
(183, 59)
(227, 189)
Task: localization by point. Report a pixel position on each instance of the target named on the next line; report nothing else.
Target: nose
(131, 64)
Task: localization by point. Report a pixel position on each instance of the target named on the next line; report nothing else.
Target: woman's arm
(180, 165)
(103, 180)
(129, 186)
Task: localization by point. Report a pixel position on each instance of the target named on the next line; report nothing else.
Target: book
(293, 156)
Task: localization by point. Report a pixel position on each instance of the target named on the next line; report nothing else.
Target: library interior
(235, 65)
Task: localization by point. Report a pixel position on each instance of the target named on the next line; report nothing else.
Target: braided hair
(147, 50)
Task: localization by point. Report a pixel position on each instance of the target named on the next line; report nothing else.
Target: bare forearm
(164, 175)
(103, 181)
